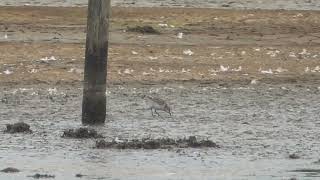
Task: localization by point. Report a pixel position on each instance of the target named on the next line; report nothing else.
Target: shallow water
(257, 127)
(239, 4)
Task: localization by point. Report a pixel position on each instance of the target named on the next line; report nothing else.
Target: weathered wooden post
(95, 71)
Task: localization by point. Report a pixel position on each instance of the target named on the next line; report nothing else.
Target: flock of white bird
(188, 52)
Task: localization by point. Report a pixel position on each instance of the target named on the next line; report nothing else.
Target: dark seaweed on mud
(160, 143)
(10, 170)
(42, 176)
(81, 133)
(20, 127)
(143, 30)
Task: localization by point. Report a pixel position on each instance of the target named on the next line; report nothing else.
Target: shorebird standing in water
(157, 104)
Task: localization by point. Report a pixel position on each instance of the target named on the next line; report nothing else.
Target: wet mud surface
(257, 126)
(228, 4)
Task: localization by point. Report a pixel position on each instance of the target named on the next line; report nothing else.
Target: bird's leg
(157, 112)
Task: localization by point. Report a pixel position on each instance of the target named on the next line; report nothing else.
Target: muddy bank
(226, 4)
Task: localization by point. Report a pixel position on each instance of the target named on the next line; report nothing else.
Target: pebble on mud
(317, 162)
(10, 170)
(79, 175)
(42, 176)
(81, 133)
(294, 156)
(161, 143)
(143, 30)
(20, 127)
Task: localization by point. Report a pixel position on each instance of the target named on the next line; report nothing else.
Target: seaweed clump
(81, 133)
(42, 176)
(143, 30)
(161, 143)
(20, 127)
(10, 170)
(294, 156)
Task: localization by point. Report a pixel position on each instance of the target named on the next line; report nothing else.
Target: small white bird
(157, 104)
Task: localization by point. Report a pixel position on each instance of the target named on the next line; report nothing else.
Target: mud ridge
(160, 143)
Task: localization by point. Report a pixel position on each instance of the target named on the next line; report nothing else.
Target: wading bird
(157, 104)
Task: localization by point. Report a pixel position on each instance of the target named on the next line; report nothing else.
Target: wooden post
(95, 71)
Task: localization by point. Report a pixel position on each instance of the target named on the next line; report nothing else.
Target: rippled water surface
(258, 127)
(242, 4)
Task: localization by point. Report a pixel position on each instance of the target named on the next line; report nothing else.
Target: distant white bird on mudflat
(155, 104)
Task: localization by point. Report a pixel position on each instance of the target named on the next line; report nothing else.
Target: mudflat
(46, 44)
(247, 80)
